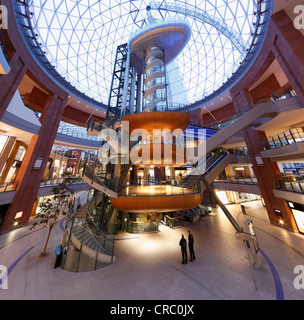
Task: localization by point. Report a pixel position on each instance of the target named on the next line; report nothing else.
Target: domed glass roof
(80, 39)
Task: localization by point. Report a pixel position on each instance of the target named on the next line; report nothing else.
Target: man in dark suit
(190, 243)
(183, 244)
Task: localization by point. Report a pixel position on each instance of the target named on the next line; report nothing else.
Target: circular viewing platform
(171, 36)
(158, 196)
(156, 202)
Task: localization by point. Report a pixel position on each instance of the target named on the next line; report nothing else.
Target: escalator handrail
(226, 121)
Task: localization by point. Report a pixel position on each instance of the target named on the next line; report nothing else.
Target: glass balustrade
(175, 221)
(283, 139)
(75, 131)
(94, 246)
(143, 227)
(293, 184)
(237, 179)
(160, 187)
(155, 68)
(8, 186)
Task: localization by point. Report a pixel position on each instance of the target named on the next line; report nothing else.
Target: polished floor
(149, 266)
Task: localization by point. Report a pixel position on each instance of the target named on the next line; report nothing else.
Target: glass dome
(80, 39)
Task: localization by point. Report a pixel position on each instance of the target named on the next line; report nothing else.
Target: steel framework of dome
(80, 38)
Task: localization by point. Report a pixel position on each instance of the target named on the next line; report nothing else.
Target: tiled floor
(149, 266)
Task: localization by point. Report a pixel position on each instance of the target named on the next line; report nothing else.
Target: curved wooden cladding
(158, 155)
(290, 57)
(157, 203)
(162, 120)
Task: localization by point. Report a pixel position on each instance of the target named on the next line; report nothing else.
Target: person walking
(190, 243)
(183, 245)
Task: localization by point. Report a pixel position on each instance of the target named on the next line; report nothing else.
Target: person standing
(190, 243)
(183, 245)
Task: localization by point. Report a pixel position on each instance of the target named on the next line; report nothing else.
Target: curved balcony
(149, 121)
(154, 76)
(170, 35)
(157, 198)
(155, 80)
(292, 184)
(148, 196)
(156, 63)
(153, 89)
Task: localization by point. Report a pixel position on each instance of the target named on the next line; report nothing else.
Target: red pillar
(288, 49)
(266, 173)
(9, 83)
(29, 178)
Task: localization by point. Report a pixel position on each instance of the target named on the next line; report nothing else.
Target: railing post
(294, 140)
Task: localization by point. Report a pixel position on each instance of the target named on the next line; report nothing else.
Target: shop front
(298, 214)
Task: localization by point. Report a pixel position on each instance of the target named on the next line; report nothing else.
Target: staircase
(99, 182)
(84, 241)
(91, 244)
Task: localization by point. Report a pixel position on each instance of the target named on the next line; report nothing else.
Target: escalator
(214, 165)
(246, 116)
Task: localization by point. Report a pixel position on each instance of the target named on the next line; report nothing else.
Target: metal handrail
(235, 179)
(69, 131)
(56, 181)
(291, 185)
(165, 187)
(225, 122)
(293, 135)
(8, 186)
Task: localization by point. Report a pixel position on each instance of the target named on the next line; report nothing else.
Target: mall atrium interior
(164, 116)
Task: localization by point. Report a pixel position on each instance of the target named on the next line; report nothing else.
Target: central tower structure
(135, 195)
(146, 185)
(155, 46)
(150, 49)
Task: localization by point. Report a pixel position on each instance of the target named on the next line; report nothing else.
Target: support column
(9, 83)
(29, 176)
(266, 173)
(288, 49)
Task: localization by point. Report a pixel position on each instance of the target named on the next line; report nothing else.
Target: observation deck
(152, 48)
(158, 197)
(171, 36)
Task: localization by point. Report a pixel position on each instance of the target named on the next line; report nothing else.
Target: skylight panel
(81, 38)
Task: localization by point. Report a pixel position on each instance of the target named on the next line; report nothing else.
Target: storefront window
(299, 217)
(3, 140)
(11, 176)
(20, 153)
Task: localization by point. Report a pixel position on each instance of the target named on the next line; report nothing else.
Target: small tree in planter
(61, 203)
